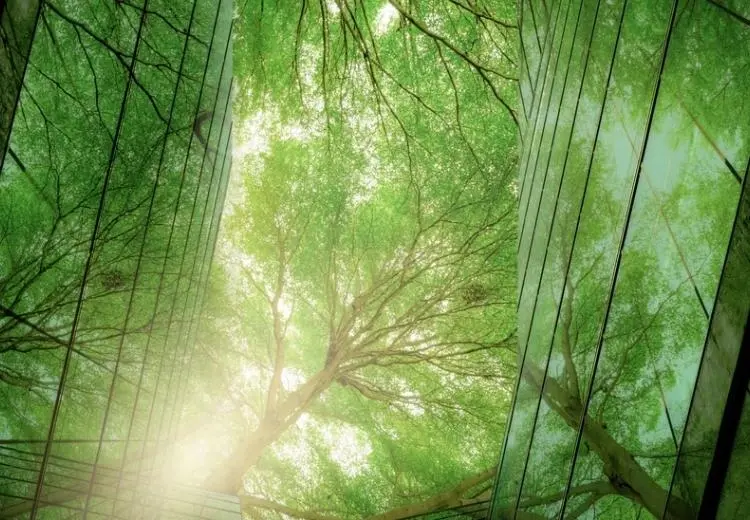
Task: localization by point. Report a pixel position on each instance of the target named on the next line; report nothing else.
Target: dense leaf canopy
(282, 251)
(363, 321)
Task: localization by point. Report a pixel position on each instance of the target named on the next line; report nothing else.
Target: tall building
(634, 263)
(114, 138)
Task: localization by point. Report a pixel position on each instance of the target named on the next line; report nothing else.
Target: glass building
(114, 141)
(634, 263)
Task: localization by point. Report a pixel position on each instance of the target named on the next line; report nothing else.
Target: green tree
(368, 288)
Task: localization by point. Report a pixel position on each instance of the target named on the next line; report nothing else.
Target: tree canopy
(323, 255)
(363, 323)
(352, 352)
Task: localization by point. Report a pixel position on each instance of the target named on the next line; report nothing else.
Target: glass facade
(634, 263)
(115, 132)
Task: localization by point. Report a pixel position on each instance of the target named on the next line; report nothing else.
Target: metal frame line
(549, 159)
(198, 307)
(544, 125)
(157, 441)
(142, 248)
(208, 272)
(187, 241)
(618, 260)
(544, 56)
(536, 29)
(549, 235)
(186, 341)
(166, 255)
(195, 257)
(728, 431)
(730, 12)
(523, 356)
(583, 196)
(87, 267)
(509, 423)
(707, 342)
(175, 407)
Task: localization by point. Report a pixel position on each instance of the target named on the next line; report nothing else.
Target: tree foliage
(367, 299)
(353, 352)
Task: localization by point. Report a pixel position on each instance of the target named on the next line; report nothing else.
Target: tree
(368, 252)
(358, 342)
(383, 284)
(97, 278)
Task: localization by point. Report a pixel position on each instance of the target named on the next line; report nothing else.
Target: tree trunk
(619, 464)
(272, 426)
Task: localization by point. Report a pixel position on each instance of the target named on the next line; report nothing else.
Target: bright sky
(386, 18)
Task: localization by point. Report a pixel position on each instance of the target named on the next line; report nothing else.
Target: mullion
(87, 268)
(142, 248)
(551, 227)
(165, 261)
(618, 260)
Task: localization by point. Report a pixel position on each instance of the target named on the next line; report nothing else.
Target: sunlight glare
(291, 379)
(385, 19)
(333, 8)
(252, 137)
(349, 448)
